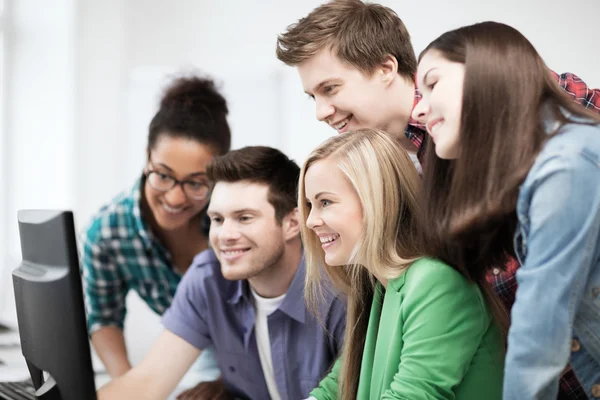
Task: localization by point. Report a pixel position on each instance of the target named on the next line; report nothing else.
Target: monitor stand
(48, 390)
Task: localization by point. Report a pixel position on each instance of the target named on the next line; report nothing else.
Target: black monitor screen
(50, 310)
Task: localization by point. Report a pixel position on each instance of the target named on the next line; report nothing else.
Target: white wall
(38, 136)
(123, 45)
(100, 65)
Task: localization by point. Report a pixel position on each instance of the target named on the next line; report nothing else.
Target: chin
(170, 225)
(333, 262)
(441, 151)
(440, 154)
(231, 275)
(445, 154)
(236, 273)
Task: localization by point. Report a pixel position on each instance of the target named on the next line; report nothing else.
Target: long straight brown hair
(469, 204)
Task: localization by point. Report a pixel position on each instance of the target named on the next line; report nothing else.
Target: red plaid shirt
(504, 281)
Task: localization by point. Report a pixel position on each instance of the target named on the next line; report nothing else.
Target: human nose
(314, 220)
(421, 110)
(228, 231)
(324, 109)
(176, 195)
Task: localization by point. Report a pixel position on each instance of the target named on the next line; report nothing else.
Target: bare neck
(400, 108)
(276, 279)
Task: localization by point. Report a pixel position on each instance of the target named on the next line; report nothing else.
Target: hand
(206, 391)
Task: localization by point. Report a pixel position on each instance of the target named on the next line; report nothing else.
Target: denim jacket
(556, 315)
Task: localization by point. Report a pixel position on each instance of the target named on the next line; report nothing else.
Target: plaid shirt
(504, 281)
(119, 253)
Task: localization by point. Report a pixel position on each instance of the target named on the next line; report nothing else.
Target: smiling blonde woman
(417, 328)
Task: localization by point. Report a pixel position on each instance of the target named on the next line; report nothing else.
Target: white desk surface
(13, 366)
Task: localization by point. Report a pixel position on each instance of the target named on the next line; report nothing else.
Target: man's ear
(291, 224)
(388, 69)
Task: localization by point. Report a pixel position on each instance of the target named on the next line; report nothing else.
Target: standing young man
(357, 62)
(245, 296)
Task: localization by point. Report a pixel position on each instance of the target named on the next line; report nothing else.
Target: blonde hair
(387, 184)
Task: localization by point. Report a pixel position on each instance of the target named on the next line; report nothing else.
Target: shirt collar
(237, 292)
(293, 305)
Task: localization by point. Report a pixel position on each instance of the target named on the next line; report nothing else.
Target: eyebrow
(427, 73)
(322, 193)
(199, 173)
(235, 212)
(320, 85)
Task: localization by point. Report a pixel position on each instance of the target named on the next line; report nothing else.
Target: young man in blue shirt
(244, 297)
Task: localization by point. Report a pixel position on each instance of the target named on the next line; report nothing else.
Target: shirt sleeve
(187, 316)
(561, 202)
(579, 90)
(328, 387)
(104, 287)
(444, 322)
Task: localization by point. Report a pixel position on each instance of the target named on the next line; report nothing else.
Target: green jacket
(432, 337)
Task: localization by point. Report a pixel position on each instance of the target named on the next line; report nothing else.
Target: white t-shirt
(264, 308)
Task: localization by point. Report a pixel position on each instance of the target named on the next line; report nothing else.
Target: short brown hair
(260, 164)
(361, 34)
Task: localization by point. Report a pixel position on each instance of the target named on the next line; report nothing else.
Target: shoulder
(333, 301)
(572, 140)
(114, 220)
(205, 264)
(433, 275)
(433, 287)
(431, 281)
(204, 275)
(574, 149)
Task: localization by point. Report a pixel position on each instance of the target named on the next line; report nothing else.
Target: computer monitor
(50, 310)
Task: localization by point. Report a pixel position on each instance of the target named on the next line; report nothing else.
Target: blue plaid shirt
(119, 253)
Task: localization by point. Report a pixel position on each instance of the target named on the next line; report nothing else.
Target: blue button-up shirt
(209, 310)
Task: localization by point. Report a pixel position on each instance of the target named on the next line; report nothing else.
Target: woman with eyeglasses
(146, 237)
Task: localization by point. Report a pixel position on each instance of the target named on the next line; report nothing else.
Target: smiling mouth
(327, 241)
(173, 210)
(339, 126)
(234, 253)
(433, 127)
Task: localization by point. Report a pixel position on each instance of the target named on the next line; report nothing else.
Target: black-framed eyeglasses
(194, 190)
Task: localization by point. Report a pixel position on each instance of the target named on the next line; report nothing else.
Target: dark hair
(192, 108)
(469, 204)
(260, 164)
(360, 34)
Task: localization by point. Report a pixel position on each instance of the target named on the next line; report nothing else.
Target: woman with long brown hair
(416, 328)
(513, 168)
